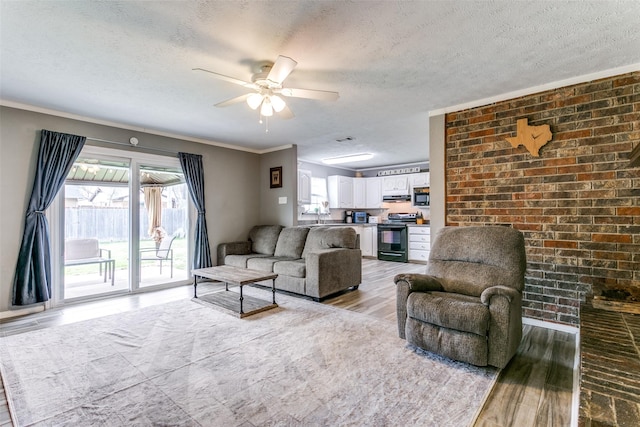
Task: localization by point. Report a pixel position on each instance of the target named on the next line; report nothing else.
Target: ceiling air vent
(635, 157)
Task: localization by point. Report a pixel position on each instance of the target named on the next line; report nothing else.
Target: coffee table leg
(273, 289)
(241, 299)
(195, 286)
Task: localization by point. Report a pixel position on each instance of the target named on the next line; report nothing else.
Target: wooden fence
(109, 224)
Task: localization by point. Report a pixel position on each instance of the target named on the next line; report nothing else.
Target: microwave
(360, 217)
(421, 196)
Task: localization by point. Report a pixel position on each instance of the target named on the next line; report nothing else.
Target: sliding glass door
(120, 224)
(164, 221)
(96, 227)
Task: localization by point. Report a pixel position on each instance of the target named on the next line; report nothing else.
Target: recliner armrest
(405, 284)
(509, 293)
(420, 282)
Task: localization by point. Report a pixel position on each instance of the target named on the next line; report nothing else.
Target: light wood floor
(535, 389)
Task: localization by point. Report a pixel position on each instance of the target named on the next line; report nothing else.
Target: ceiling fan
(268, 90)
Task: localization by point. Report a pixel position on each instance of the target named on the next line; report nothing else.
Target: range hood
(397, 198)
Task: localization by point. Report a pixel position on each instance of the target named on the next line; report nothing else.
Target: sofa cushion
(329, 237)
(291, 242)
(264, 238)
(241, 260)
(296, 268)
(263, 263)
(453, 311)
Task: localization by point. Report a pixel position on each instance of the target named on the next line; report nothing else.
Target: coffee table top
(228, 273)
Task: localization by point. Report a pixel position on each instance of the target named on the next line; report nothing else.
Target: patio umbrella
(153, 203)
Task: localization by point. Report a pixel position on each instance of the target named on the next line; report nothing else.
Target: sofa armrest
(233, 248)
(509, 293)
(332, 270)
(405, 284)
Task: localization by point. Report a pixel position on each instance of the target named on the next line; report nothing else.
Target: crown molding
(536, 89)
(62, 114)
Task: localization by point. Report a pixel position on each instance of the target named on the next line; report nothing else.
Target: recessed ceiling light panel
(347, 159)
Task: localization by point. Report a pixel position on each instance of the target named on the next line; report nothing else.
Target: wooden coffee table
(229, 301)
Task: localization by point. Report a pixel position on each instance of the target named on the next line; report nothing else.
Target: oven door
(392, 242)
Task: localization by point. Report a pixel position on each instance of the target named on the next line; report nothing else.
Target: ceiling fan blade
(232, 101)
(228, 79)
(286, 113)
(281, 69)
(323, 95)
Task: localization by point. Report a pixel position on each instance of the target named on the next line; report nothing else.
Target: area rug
(186, 364)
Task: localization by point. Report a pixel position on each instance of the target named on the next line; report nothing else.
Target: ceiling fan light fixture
(254, 100)
(266, 109)
(347, 159)
(277, 103)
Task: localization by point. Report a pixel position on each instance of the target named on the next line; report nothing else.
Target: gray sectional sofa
(311, 261)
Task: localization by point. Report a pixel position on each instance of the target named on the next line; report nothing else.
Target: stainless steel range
(392, 237)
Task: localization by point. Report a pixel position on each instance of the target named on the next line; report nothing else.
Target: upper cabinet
(367, 193)
(304, 187)
(340, 192)
(395, 185)
(419, 179)
(360, 193)
(354, 193)
(373, 193)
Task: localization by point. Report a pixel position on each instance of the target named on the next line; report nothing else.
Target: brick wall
(578, 204)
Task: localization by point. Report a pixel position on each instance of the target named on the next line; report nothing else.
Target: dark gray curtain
(194, 176)
(32, 281)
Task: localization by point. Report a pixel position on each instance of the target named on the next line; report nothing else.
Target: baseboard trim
(550, 325)
(9, 314)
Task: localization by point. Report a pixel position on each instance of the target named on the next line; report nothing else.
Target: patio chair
(162, 253)
(88, 251)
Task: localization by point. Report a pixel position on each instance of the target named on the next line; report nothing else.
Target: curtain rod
(133, 145)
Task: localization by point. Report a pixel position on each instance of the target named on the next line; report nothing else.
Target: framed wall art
(275, 175)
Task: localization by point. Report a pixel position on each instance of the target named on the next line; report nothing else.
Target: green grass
(120, 252)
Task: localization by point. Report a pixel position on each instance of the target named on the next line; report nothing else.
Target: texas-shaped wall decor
(532, 137)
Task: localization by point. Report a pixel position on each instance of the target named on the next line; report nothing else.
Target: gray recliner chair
(468, 305)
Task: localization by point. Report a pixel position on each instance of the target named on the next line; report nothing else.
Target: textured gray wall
(436, 176)
(271, 211)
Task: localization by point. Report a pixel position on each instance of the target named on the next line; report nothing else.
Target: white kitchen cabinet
(340, 192)
(367, 193)
(395, 185)
(367, 239)
(359, 193)
(419, 242)
(374, 193)
(304, 187)
(419, 179)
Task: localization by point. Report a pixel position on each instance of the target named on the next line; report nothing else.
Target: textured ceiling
(392, 62)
